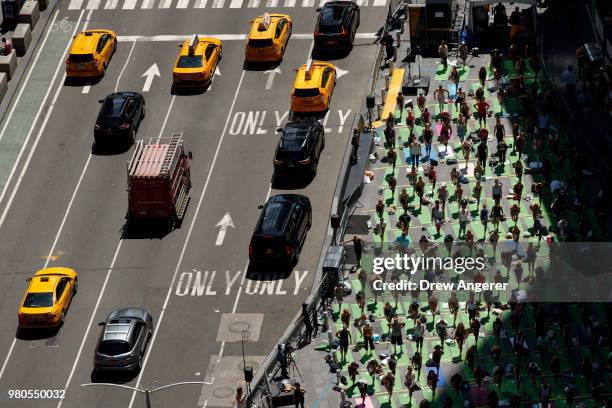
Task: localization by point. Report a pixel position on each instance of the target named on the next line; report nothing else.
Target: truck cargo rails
(159, 181)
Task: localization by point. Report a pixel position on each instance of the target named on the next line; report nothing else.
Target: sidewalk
(317, 379)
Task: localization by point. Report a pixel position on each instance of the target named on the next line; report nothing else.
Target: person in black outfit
(298, 395)
(482, 153)
(307, 322)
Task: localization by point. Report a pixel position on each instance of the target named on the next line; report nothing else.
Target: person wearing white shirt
(568, 77)
(464, 218)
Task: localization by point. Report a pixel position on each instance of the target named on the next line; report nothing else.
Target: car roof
(315, 76)
(256, 34)
(200, 48)
(339, 7)
(289, 198)
(44, 283)
(86, 42)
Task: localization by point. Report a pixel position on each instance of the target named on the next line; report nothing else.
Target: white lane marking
(362, 3)
(31, 131)
(164, 4)
(93, 4)
(127, 60)
(200, 4)
(308, 3)
(272, 3)
(91, 318)
(86, 89)
(129, 4)
(289, 3)
(167, 116)
(236, 4)
(10, 352)
(147, 4)
(189, 232)
(379, 2)
(182, 4)
(74, 5)
(65, 217)
(218, 3)
(222, 37)
(253, 3)
(246, 266)
(27, 78)
(111, 4)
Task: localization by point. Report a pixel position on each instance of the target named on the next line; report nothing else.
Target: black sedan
(299, 148)
(119, 118)
(337, 24)
(123, 340)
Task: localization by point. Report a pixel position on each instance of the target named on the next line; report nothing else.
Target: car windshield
(185, 61)
(306, 92)
(114, 348)
(291, 143)
(77, 58)
(43, 299)
(113, 106)
(331, 19)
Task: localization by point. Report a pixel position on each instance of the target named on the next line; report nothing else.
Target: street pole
(147, 392)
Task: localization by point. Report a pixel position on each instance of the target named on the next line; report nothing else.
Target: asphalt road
(67, 207)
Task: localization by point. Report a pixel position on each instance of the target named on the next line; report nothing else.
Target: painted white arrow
(271, 73)
(217, 73)
(150, 73)
(340, 72)
(225, 222)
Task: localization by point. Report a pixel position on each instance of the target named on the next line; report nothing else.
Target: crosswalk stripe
(308, 3)
(75, 4)
(236, 4)
(218, 3)
(147, 4)
(93, 4)
(272, 3)
(182, 4)
(253, 3)
(323, 2)
(289, 3)
(379, 2)
(362, 3)
(129, 5)
(164, 4)
(111, 4)
(200, 3)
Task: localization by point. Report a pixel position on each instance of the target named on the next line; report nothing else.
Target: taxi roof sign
(309, 69)
(195, 40)
(265, 22)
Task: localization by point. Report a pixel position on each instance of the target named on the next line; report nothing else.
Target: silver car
(123, 340)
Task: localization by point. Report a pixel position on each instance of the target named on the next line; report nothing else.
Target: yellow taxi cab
(197, 61)
(268, 38)
(90, 53)
(313, 87)
(46, 301)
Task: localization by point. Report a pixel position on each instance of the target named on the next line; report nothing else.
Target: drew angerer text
(461, 285)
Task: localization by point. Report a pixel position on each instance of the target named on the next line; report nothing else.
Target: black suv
(299, 148)
(337, 24)
(119, 116)
(281, 230)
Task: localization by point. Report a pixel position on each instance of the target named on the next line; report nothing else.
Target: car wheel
(76, 286)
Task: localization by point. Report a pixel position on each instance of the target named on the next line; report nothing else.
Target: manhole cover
(239, 327)
(249, 363)
(223, 392)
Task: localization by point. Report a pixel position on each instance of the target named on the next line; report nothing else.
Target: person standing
(389, 381)
(380, 208)
(298, 395)
(241, 401)
(477, 192)
(387, 42)
(466, 149)
(568, 77)
(482, 106)
(399, 100)
(415, 152)
(443, 53)
(475, 327)
(419, 188)
(389, 134)
(403, 199)
(368, 341)
(437, 216)
(464, 219)
(395, 329)
(409, 382)
(418, 333)
(460, 335)
(307, 322)
(441, 95)
(410, 120)
(382, 226)
(7, 46)
(357, 248)
(461, 127)
(482, 76)
(514, 213)
(442, 197)
(497, 213)
(432, 178)
(518, 169)
(502, 148)
(392, 157)
(497, 191)
(518, 190)
(392, 181)
(481, 153)
(344, 339)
